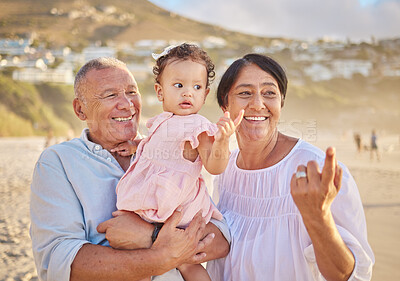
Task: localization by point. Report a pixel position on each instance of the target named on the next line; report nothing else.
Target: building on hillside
(93, 52)
(318, 72)
(347, 68)
(141, 72)
(212, 42)
(62, 74)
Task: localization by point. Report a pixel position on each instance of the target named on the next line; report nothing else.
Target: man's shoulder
(65, 149)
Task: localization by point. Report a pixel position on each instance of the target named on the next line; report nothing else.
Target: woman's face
(257, 92)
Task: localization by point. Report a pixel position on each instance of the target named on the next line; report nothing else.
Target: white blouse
(269, 239)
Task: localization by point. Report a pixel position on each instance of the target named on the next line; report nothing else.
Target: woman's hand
(312, 191)
(227, 126)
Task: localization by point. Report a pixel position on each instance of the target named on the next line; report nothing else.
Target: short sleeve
(199, 125)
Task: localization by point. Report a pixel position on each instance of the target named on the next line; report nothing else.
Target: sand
(378, 182)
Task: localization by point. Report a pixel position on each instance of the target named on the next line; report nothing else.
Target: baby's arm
(215, 154)
(127, 148)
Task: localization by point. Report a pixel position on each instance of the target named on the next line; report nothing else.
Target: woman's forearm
(334, 259)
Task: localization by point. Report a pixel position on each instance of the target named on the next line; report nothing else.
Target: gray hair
(97, 64)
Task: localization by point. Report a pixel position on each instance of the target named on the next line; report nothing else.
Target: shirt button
(109, 159)
(97, 147)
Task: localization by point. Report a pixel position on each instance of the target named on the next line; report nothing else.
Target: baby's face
(183, 87)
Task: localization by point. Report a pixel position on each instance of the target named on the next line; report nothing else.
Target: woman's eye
(178, 85)
(269, 93)
(244, 94)
(132, 93)
(197, 87)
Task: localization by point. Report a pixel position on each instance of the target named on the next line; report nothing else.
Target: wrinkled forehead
(113, 77)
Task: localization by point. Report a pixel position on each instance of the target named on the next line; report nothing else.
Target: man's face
(112, 107)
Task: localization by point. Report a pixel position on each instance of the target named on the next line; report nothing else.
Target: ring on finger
(301, 174)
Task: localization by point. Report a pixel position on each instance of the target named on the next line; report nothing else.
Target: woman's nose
(257, 102)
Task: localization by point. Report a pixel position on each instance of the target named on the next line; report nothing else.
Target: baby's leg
(194, 272)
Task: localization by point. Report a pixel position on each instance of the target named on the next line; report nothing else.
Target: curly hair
(185, 51)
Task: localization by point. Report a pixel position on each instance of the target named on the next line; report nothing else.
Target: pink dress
(160, 178)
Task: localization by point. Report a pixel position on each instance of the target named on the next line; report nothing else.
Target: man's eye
(197, 87)
(132, 93)
(244, 94)
(178, 85)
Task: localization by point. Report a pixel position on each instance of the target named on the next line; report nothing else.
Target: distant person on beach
(50, 140)
(166, 171)
(374, 146)
(288, 220)
(73, 196)
(357, 140)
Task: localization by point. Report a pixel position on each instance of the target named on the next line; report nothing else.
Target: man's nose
(124, 102)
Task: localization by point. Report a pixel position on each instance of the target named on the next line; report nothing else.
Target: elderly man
(73, 191)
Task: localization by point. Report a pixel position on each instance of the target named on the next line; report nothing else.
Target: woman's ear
(159, 91)
(77, 104)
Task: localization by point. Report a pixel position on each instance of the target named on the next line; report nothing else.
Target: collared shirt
(72, 191)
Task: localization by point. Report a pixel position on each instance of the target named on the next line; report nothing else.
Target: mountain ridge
(80, 22)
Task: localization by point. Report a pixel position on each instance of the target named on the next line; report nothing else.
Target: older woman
(288, 220)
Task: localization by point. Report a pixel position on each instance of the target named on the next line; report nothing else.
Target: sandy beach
(378, 182)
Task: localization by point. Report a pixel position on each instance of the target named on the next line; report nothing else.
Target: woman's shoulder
(306, 149)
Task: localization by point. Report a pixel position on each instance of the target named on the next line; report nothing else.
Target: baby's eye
(178, 85)
(197, 87)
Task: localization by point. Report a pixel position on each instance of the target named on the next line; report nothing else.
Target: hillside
(75, 23)
(338, 105)
(27, 109)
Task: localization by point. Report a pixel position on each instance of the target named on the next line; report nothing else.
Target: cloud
(306, 19)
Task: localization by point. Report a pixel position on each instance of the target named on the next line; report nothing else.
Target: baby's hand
(226, 127)
(126, 148)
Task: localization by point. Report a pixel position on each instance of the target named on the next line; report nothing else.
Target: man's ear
(77, 104)
(159, 91)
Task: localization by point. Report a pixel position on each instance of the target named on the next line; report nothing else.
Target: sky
(356, 20)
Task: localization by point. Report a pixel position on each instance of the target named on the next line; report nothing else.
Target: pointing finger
(328, 172)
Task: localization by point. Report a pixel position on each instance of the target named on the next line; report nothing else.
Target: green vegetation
(27, 109)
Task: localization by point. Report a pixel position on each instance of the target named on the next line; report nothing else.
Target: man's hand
(127, 231)
(183, 245)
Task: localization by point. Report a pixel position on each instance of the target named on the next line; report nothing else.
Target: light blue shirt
(72, 191)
